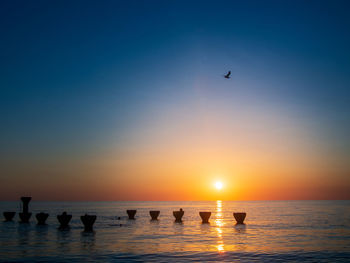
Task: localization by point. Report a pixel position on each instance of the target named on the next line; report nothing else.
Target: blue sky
(79, 76)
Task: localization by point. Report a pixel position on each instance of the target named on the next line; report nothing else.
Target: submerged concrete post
(239, 217)
(131, 213)
(205, 216)
(88, 221)
(64, 219)
(41, 217)
(154, 214)
(25, 215)
(9, 216)
(178, 215)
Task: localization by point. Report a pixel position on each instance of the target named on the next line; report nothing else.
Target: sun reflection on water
(219, 222)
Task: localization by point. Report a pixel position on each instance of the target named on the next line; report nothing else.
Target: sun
(218, 185)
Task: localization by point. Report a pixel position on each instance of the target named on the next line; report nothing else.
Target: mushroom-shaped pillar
(9, 215)
(88, 221)
(41, 217)
(131, 213)
(154, 214)
(205, 216)
(25, 217)
(178, 215)
(239, 217)
(64, 219)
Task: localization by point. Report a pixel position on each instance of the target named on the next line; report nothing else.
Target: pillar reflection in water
(219, 223)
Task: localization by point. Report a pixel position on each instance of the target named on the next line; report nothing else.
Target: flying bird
(227, 76)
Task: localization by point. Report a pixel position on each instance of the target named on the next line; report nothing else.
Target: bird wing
(229, 73)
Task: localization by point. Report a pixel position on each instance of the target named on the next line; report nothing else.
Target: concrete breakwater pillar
(131, 213)
(205, 216)
(154, 214)
(239, 217)
(88, 221)
(178, 215)
(9, 216)
(64, 219)
(25, 215)
(41, 217)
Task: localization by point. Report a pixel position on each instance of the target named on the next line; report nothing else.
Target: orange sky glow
(258, 154)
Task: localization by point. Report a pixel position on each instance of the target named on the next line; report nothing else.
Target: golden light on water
(219, 221)
(220, 247)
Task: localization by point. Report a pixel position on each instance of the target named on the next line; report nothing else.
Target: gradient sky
(125, 100)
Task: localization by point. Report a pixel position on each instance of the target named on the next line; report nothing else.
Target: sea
(274, 231)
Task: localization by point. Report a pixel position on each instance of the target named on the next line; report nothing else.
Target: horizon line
(256, 200)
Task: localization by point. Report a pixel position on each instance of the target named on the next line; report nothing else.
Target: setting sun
(218, 185)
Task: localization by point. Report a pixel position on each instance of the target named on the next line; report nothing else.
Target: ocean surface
(274, 231)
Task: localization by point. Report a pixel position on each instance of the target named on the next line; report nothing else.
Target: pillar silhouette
(178, 215)
(9, 216)
(64, 219)
(131, 213)
(25, 215)
(205, 216)
(154, 214)
(239, 217)
(41, 217)
(88, 221)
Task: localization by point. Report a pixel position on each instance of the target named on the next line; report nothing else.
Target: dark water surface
(275, 231)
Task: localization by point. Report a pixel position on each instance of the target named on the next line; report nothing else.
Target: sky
(126, 100)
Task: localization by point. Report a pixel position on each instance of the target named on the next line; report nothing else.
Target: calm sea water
(275, 231)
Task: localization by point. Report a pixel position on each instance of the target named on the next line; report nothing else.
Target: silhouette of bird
(227, 76)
